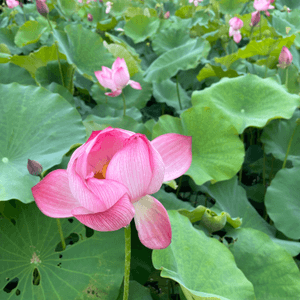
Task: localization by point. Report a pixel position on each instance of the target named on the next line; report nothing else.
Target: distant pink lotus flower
(196, 2)
(167, 15)
(90, 17)
(109, 180)
(235, 25)
(108, 6)
(12, 3)
(285, 58)
(42, 7)
(255, 18)
(116, 78)
(263, 5)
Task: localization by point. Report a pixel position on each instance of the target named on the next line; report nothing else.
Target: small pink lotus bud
(255, 18)
(42, 7)
(90, 17)
(34, 167)
(285, 58)
(167, 15)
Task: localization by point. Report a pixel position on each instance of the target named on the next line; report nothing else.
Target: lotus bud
(90, 17)
(42, 7)
(255, 18)
(34, 167)
(212, 221)
(285, 58)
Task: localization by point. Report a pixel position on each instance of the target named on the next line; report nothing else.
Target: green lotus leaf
(68, 7)
(215, 71)
(283, 203)
(283, 20)
(278, 134)
(184, 57)
(84, 49)
(91, 266)
(248, 100)
(51, 73)
(217, 151)
(270, 269)
(35, 124)
(29, 33)
(140, 27)
(199, 273)
(12, 73)
(37, 59)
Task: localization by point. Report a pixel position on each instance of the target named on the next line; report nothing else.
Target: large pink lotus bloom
(263, 5)
(116, 78)
(12, 3)
(285, 58)
(235, 25)
(109, 181)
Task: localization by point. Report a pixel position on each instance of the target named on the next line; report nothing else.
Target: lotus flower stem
(241, 170)
(124, 102)
(289, 146)
(286, 77)
(127, 261)
(178, 95)
(63, 242)
(57, 53)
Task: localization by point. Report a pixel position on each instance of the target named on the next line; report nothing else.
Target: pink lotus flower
(90, 17)
(255, 18)
(263, 5)
(235, 25)
(196, 2)
(109, 180)
(285, 58)
(12, 3)
(42, 7)
(167, 15)
(116, 78)
(108, 6)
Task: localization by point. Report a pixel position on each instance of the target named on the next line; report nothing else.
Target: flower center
(101, 174)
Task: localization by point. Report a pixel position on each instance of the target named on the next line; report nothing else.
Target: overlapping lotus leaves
(197, 262)
(248, 100)
(31, 122)
(218, 152)
(84, 49)
(279, 134)
(12, 73)
(184, 57)
(92, 266)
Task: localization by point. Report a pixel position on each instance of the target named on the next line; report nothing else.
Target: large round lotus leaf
(283, 20)
(277, 135)
(12, 73)
(184, 57)
(133, 97)
(217, 151)
(249, 100)
(34, 124)
(201, 264)
(91, 267)
(283, 202)
(271, 270)
(141, 27)
(84, 49)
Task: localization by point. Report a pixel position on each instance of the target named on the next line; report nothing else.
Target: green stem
(286, 77)
(177, 87)
(260, 28)
(63, 243)
(289, 146)
(264, 167)
(127, 261)
(179, 186)
(241, 170)
(23, 13)
(57, 53)
(124, 102)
